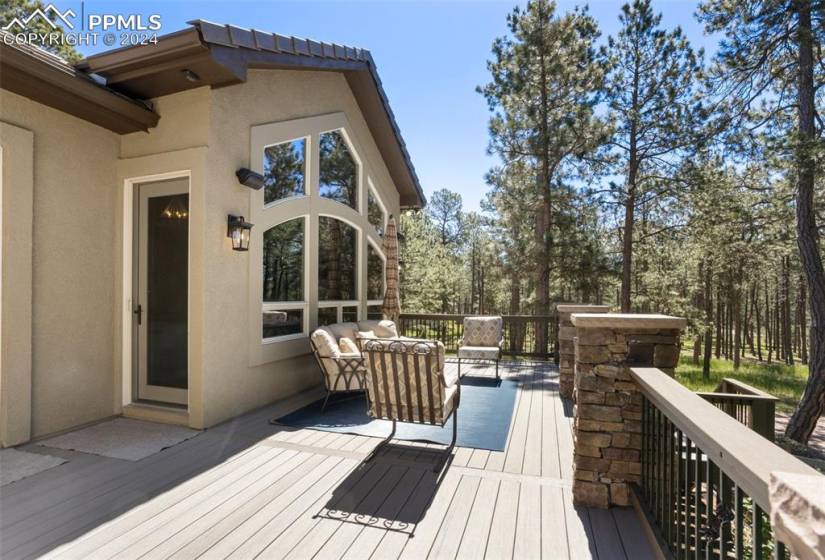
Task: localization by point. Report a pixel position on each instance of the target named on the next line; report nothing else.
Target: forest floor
(783, 381)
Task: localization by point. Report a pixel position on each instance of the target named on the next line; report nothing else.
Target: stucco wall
(231, 385)
(80, 308)
(73, 266)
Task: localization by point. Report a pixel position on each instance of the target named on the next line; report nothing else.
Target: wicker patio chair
(406, 382)
(482, 340)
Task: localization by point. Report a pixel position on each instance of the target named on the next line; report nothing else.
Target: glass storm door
(161, 298)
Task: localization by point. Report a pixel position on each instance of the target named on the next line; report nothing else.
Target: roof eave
(77, 95)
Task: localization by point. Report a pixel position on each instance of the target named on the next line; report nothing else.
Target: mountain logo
(22, 23)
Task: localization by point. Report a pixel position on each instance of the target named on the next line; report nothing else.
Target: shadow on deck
(248, 488)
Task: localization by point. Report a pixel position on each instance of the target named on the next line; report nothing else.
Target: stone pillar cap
(627, 321)
(581, 308)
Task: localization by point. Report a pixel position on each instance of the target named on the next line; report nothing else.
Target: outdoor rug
(484, 417)
(122, 438)
(16, 465)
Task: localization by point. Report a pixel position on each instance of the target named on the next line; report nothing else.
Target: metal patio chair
(406, 382)
(482, 340)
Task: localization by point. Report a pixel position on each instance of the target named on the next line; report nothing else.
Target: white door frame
(128, 386)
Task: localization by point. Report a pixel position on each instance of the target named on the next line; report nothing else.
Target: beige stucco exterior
(72, 266)
(80, 288)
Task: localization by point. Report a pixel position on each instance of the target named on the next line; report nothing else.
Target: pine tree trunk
(737, 321)
(699, 303)
(627, 248)
(708, 322)
(803, 320)
(768, 331)
(758, 323)
(810, 407)
(786, 310)
(719, 319)
(544, 221)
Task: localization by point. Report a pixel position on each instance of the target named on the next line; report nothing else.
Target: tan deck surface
(247, 489)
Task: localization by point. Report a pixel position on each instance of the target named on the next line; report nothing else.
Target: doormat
(484, 417)
(122, 438)
(16, 465)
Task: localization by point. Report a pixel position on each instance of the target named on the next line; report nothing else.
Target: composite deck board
(248, 488)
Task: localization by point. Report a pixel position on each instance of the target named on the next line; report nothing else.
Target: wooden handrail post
(763, 418)
(565, 347)
(608, 414)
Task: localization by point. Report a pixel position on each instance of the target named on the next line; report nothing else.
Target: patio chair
(482, 340)
(343, 372)
(406, 382)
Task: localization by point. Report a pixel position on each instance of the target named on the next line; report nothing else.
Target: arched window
(338, 171)
(301, 240)
(284, 306)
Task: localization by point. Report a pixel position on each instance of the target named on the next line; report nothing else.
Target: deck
(247, 489)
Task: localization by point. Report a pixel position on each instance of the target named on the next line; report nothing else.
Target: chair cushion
(482, 331)
(341, 330)
(416, 382)
(348, 346)
(442, 412)
(325, 343)
(479, 352)
(382, 329)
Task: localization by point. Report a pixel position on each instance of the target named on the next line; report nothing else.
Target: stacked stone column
(567, 332)
(607, 420)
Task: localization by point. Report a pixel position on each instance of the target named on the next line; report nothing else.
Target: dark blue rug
(484, 416)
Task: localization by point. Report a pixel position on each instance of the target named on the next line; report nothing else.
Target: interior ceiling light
(190, 76)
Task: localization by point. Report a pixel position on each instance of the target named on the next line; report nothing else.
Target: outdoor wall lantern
(249, 178)
(237, 230)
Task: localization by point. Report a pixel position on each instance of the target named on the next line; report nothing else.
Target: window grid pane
(349, 314)
(375, 274)
(374, 312)
(283, 322)
(283, 262)
(375, 215)
(337, 260)
(338, 174)
(327, 315)
(284, 170)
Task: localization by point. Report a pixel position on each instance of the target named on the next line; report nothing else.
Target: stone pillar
(567, 332)
(607, 420)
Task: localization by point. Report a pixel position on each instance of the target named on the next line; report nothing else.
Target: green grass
(782, 381)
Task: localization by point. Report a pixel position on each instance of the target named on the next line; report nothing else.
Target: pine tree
(546, 77)
(10, 9)
(650, 93)
(771, 72)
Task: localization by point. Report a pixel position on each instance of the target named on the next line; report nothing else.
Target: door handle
(139, 312)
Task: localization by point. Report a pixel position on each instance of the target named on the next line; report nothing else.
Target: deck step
(157, 413)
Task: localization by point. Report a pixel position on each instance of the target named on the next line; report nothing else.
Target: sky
(430, 55)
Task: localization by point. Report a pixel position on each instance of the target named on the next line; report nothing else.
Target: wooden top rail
(456, 316)
(747, 397)
(745, 456)
(734, 386)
